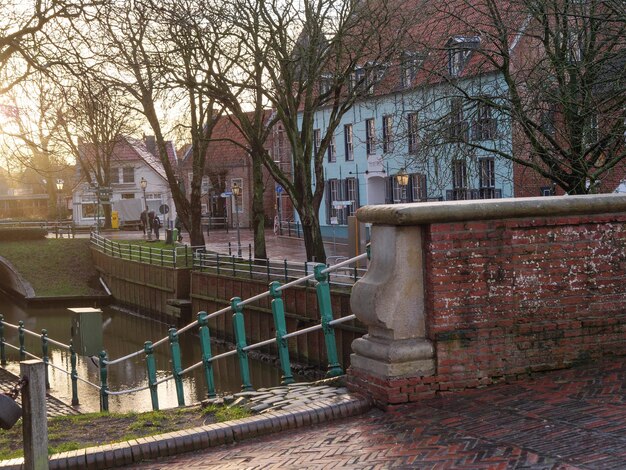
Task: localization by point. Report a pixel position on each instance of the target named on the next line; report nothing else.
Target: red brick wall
(506, 298)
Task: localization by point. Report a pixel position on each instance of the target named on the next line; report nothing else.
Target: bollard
(20, 330)
(151, 366)
(326, 313)
(249, 251)
(278, 312)
(3, 354)
(286, 275)
(218, 263)
(44, 354)
(176, 365)
(205, 346)
(74, 374)
(233, 261)
(240, 339)
(230, 253)
(104, 396)
(34, 421)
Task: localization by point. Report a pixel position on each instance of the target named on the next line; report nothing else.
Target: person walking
(144, 220)
(156, 225)
(150, 222)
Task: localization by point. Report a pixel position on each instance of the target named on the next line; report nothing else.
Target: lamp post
(236, 192)
(403, 180)
(59, 189)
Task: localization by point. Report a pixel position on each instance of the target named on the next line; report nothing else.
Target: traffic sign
(164, 208)
(226, 194)
(279, 188)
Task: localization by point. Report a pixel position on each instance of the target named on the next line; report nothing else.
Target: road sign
(279, 188)
(341, 204)
(226, 194)
(164, 208)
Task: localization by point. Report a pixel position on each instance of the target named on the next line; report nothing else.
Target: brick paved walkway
(561, 420)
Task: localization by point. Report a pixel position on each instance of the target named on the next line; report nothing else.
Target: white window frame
(370, 136)
(348, 133)
(387, 133)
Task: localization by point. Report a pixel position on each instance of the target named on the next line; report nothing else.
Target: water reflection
(124, 333)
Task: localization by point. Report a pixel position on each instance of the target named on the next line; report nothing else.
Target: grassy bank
(78, 432)
(54, 267)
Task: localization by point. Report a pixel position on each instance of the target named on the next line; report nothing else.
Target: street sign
(164, 208)
(279, 188)
(341, 204)
(334, 221)
(226, 194)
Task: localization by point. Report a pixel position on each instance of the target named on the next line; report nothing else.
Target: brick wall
(510, 297)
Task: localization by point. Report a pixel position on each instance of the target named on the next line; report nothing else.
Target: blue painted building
(414, 144)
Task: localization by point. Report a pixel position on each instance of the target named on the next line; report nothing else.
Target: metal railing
(175, 257)
(269, 269)
(320, 275)
(59, 228)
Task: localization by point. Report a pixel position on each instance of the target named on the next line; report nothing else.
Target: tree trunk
(312, 234)
(258, 212)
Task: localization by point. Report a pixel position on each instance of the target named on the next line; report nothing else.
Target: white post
(34, 420)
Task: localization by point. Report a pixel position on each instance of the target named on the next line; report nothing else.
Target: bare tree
(550, 73)
(311, 56)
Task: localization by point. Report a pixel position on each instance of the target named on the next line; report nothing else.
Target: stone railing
(465, 294)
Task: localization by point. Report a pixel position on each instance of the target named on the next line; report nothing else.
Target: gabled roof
(140, 149)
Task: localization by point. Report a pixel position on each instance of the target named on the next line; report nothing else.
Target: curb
(203, 437)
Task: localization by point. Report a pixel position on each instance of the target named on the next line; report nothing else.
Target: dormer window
(459, 52)
(410, 63)
(326, 83)
(366, 77)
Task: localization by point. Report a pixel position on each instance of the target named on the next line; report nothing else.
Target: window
(128, 195)
(114, 175)
(399, 192)
(547, 191)
(412, 132)
(205, 185)
(459, 52)
(332, 152)
(365, 78)
(348, 139)
(548, 119)
(459, 180)
(326, 83)
(128, 174)
(457, 130)
(332, 196)
(317, 140)
(487, 178)
(409, 65)
(370, 136)
(484, 127)
(417, 181)
(387, 134)
(352, 194)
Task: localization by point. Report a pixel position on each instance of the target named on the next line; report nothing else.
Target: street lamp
(144, 184)
(59, 189)
(236, 192)
(403, 180)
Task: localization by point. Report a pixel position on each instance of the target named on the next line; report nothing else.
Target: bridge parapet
(465, 294)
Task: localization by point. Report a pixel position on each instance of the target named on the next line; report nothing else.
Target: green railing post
(233, 261)
(20, 330)
(151, 366)
(326, 313)
(176, 365)
(205, 346)
(162, 259)
(104, 397)
(44, 354)
(278, 311)
(286, 275)
(240, 339)
(73, 374)
(174, 257)
(186, 257)
(3, 354)
(149, 255)
(218, 264)
(268, 269)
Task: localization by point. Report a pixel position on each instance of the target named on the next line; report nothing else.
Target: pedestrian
(156, 225)
(144, 220)
(179, 228)
(150, 222)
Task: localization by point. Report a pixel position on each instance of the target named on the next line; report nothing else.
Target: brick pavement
(561, 420)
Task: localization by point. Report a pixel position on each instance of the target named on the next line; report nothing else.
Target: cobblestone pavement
(54, 406)
(561, 420)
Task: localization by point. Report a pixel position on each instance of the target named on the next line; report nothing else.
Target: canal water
(124, 332)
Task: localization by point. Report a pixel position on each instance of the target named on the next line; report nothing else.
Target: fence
(175, 257)
(57, 227)
(320, 275)
(199, 259)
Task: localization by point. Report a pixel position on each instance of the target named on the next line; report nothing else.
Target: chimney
(150, 142)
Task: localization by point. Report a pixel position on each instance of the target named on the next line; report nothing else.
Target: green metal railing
(280, 340)
(175, 257)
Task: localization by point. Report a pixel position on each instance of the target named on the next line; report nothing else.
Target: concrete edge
(487, 209)
(203, 437)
